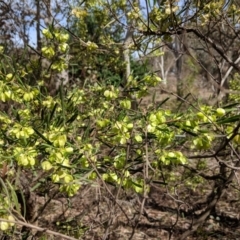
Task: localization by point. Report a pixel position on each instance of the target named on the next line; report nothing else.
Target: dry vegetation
(102, 211)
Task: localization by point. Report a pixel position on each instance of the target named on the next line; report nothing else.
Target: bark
(127, 60)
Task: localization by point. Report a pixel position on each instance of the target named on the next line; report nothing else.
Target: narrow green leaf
(40, 135)
(182, 102)
(229, 120)
(72, 118)
(52, 112)
(190, 132)
(36, 186)
(231, 105)
(42, 114)
(162, 102)
(59, 121)
(62, 102)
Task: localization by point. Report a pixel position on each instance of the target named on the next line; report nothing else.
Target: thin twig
(18, 222)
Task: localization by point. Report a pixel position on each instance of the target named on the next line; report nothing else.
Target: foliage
(92, 134)
(104, 59)
(234, 85)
